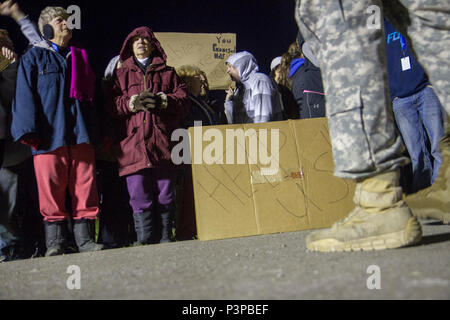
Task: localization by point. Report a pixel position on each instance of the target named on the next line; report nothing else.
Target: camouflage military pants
(351, 53)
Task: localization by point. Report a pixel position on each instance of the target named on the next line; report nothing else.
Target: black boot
(166, 227)
(55, 238)
(83, 230)
(144, 224)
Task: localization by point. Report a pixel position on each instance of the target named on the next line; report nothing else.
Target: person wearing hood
(53, 113)
(151, 102)
(306, 80)
(256, 98)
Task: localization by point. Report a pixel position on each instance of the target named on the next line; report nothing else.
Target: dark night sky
(263, 27)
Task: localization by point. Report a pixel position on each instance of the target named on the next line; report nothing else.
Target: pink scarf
(82, 84)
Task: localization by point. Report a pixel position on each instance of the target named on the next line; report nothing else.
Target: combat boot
(380, 220)
(83, 231)
(55, 237)
(434, 201)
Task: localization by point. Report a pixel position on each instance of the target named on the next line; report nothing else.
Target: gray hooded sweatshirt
(257, 99)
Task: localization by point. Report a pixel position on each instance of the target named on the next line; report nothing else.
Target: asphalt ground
(267, 267)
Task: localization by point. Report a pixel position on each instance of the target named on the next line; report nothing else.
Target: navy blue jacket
(43, 106)
(307, 88)
(402, 83)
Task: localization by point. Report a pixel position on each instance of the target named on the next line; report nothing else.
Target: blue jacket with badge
(402, 83)
(43, 106)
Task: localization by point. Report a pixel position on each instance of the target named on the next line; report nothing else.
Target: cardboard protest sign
(208, 51)
(277, 187)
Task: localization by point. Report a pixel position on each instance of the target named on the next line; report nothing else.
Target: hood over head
(307, 52)
(145, 32)
(245, 63)
(112, 65)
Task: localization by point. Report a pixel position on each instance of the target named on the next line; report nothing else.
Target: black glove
(149, 100)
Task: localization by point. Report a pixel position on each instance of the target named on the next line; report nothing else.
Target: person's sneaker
(362, 230)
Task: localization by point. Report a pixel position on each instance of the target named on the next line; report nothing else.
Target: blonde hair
(50, 13)
(188, 71)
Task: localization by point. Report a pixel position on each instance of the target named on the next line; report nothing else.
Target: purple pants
(149, 185)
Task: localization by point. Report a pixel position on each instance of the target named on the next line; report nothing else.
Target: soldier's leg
(366, 146)
(353, 64)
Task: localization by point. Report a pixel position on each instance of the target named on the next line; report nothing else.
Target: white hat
(275, 62)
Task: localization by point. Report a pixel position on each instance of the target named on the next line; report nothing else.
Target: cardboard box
(294, 190)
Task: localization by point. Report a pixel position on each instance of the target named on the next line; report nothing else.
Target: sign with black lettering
(208, 51)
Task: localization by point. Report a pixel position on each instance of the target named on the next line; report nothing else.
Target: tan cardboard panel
(279, 205)
(223, 194)
(223, 201)
(330, 197)
(300, 192)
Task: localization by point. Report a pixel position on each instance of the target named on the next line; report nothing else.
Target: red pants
(71, 168)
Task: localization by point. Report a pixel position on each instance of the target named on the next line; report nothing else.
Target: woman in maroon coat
(151, 101)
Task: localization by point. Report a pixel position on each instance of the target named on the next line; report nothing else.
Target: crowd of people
(71, 155)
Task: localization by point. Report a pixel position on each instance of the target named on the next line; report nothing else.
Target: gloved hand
(135, 104)
(149, 100)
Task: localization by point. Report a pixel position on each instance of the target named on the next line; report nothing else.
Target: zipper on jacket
(143, 126)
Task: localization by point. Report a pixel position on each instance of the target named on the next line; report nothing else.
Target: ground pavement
(276, 266)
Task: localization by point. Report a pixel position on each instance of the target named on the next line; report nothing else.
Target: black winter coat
(307, 88)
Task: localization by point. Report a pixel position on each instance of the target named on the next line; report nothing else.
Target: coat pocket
(49, 76)
(128, 152)
(315, 103)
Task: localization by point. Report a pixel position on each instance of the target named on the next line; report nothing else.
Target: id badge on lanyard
(406, 63)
